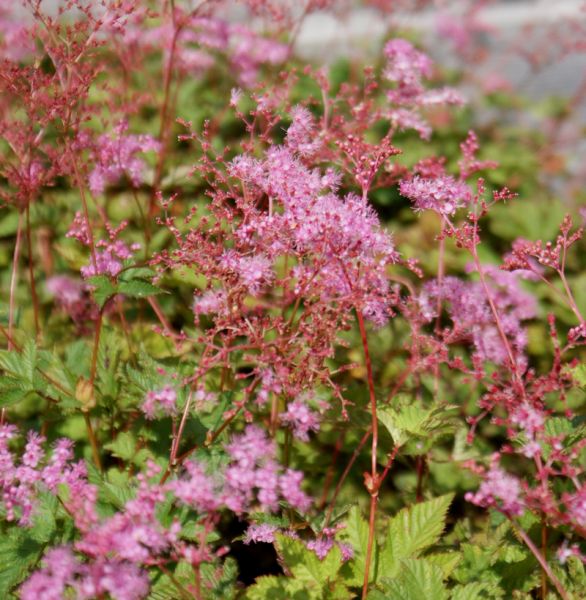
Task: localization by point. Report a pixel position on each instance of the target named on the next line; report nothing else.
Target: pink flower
(290, 486)
(163, 401)
(301, 419)
(195, 489)
(116, 155)
(260, 533)
(301, 136)
(498, 490)
(444, 194)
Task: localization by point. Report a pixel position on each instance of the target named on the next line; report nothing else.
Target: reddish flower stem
(372, 483)
(14, 279)
(34, 295)
(541, 560)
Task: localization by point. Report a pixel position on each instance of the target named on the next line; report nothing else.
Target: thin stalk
(330, 472)
(345, 474)
(497, 320)
(373, 484)
(274, 414)
(97, 334)
(541, 560)
(543, 551)
(441, 267)
(93, 371)
(176, 441)
(93, 441)
(571, 299)
(163, 129)
(31, 272)
(14, 279)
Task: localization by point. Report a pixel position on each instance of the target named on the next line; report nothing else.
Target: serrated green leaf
(470, 591)
(43, 520)
(411, 531)
(578, 373)
(304, 564)
(279, 588)
(446, 561)
(356, 534)
(555, 426)
(417, 579)
(19, 553)
(124, 446)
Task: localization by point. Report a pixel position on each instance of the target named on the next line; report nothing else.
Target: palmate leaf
(411, 531)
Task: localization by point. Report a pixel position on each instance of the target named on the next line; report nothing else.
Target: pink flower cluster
(254, 472)
(64, 574)
(72, 296)
(108, 255)
(163, 401)
(252, 477)
(407, 68)
(116, 155)
(472, 316)
(343, 250)
(301, 419)
(21, 482)
(115, 548)
(443, 194)
(498, 489)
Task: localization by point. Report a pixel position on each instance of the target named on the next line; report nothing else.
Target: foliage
(277, 330)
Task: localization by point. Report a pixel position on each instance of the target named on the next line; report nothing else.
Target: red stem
(372, 483)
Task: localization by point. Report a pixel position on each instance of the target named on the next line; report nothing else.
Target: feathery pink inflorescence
(118, 154)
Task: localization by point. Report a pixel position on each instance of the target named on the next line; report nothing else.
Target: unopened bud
(84, 394)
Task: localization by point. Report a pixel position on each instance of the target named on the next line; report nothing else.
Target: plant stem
(330, 473)
(93, 441)
(373, 484)
(541, 560)
(543, 551)
(347, 470)
(92, 382)
(34, 296)
(14, 279)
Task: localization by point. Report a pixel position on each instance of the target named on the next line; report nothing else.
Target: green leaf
(124, 446)
(19, 553)
(44, 525)
(578, 373)
(103, 289)
(471, 591)
(277, 588)
(411, 531)
(418, 579)
(356, 534)
(304, 564)
(136, 273)
(447, 561)
(138, 289)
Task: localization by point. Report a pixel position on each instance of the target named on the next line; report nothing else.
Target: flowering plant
(275, 341)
